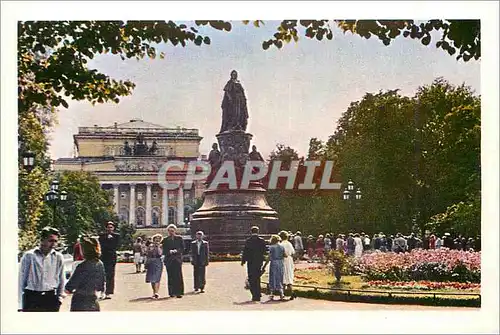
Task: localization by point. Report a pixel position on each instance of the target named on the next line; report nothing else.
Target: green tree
(463, 218)
(127, 236)
(32, 184)
(413, 157)
(86, 210)
(316, 149)
(447, 147)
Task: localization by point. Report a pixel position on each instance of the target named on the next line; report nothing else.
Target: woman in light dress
(358, 246)
(328, 243)
(288, 266)
(320, 247)
(276, 267)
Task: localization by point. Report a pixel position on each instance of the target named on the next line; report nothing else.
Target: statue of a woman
(234, 105)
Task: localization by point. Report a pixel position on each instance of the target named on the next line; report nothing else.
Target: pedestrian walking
(432, 241)
(439, 242)
(199, 260)
(350, 244)
(311, 243)
(320, 247)
(276, 267)
(88, 279)
(328, 243)
(138, 254)
(298, 245)
(399, 244)
(358, 246)
(173, 246)
(41, 275)
(253, 255)
(154, 268)
(383, 242)
(288, 265)
(77, 253)
(339, 243)
(366, 243)
(110, 241)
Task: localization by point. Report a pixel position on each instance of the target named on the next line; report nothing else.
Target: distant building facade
(126, 158)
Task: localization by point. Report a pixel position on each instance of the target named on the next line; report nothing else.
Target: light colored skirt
(137, 258)
(288, 268)
(358, 251)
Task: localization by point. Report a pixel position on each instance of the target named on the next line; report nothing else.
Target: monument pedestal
(226, 215)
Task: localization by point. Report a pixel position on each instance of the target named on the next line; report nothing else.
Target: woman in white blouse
(288, 263)
(358, 246)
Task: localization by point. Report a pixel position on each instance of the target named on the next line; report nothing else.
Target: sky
(293, 94)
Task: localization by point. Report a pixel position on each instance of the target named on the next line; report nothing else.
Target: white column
(164, 207)
(116, 198)
(131, 213)
(180, 205)
(148, 204)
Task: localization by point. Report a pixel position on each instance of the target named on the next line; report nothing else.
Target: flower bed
(423, 285)
(442, 265)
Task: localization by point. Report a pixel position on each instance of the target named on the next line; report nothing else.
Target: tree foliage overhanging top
(53, 55)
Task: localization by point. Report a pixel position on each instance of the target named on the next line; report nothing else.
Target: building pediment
(139, 164)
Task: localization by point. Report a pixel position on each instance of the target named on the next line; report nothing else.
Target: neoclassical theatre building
(126, 158)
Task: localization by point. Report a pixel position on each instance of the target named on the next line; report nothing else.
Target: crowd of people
(42, 282)
(355, 244)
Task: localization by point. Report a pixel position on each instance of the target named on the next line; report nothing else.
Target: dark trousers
(109, 269)
(254, 273)
(84, 303)
(34, 301)
(199, 276)
(174, 276)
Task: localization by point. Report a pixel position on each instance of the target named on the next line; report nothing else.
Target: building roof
(136, 126)
(138, 123)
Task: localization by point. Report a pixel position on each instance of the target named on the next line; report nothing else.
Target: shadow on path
(275, 301)
(249, 302)
(141, 299)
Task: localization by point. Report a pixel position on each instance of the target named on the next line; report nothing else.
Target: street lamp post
(54, 197)
(28, 160)
(352, 195)
(28, 157)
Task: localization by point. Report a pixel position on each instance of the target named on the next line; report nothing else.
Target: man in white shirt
(41, 275)
(366, 242)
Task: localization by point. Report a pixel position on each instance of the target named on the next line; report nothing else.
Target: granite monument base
(226, 217)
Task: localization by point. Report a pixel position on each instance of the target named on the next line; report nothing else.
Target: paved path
(224, 291)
